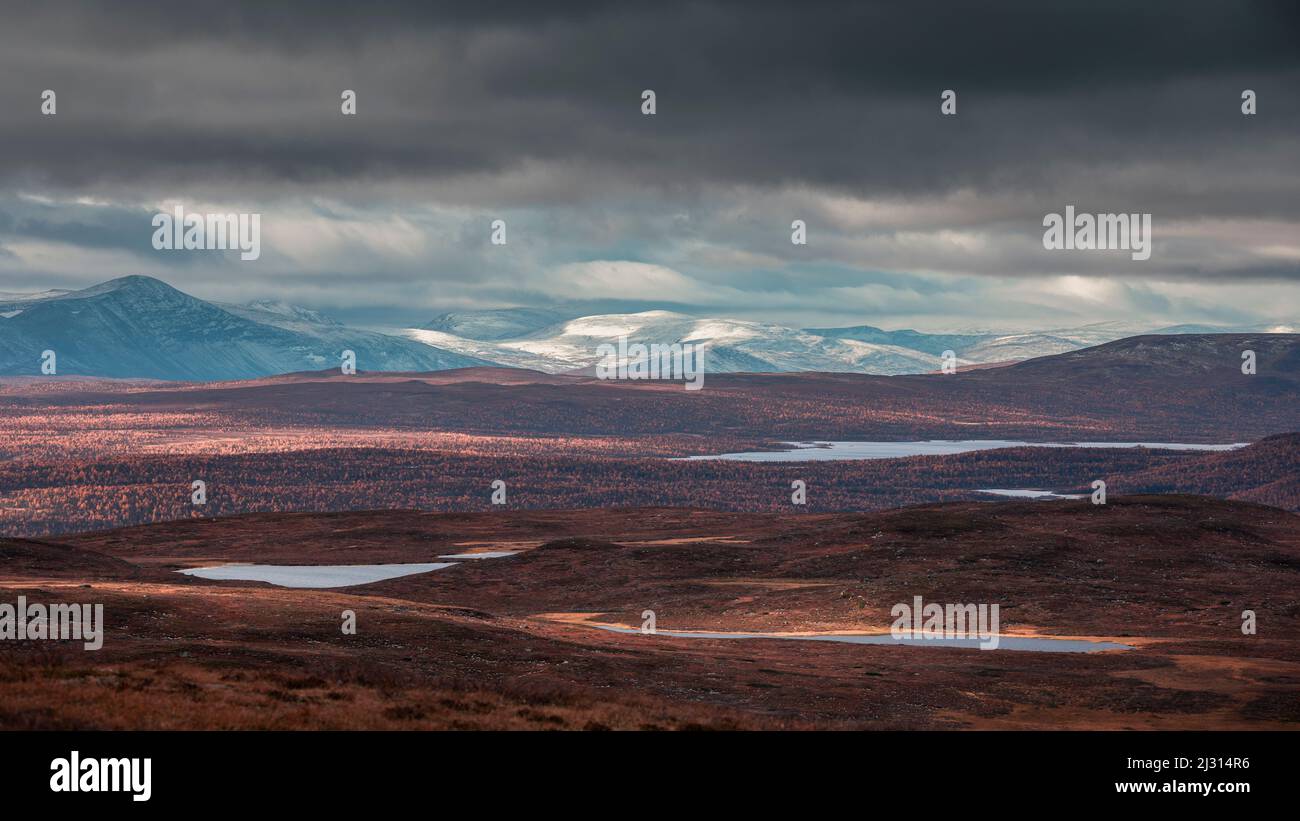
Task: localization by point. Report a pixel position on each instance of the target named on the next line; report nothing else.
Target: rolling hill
(1153, 388)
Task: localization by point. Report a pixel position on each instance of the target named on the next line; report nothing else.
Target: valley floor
(510, 642)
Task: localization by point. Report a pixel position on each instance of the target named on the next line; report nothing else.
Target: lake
(1020, 643)
(486, 554)
(830, 451)
(1031, 494)
(314, 575)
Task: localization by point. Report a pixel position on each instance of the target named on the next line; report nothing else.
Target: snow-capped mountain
(733, 345)
(138, 326)
(730, 345)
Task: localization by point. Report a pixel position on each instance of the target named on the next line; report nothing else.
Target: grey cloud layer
(826, 111)
(837, 95)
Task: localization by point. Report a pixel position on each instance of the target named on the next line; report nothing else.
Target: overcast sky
(766, 113)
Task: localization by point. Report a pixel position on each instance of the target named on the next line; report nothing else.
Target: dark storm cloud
(836, 95)
(86, 225)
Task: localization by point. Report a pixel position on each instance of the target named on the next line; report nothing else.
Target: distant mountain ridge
(929, 343)
(742, 346)
(731, 345)
(138, 326)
